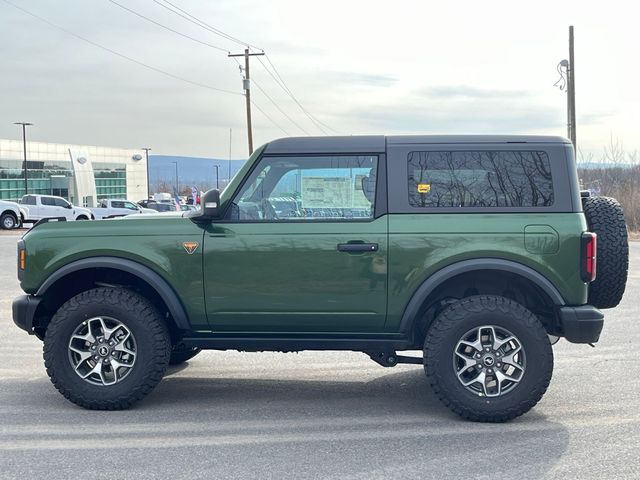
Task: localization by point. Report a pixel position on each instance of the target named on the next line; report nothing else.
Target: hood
(150, 214)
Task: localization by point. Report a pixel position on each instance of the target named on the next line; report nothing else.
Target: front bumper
(581, 324)
(24, 309)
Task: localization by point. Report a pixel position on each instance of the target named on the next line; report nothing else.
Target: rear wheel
(488, 358)
(8, 221)
(106, 348)
(606, 219)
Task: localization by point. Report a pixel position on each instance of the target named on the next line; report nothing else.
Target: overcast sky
(358, 66)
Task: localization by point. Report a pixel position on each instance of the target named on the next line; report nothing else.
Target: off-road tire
(452, 324)
(605, 218)
(8, 217)
(181, 354)
(140, 317)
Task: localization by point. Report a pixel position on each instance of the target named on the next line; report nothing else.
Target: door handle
(353, 247)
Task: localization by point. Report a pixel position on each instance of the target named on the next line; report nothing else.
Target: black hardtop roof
(377, 143)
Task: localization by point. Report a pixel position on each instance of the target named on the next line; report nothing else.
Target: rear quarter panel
(422, 244)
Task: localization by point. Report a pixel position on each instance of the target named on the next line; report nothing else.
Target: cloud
(419, 114)
(357, 79)
(469, 92)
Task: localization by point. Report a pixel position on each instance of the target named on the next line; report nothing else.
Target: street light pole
(146, 154)
(24, 145)
(176, 164)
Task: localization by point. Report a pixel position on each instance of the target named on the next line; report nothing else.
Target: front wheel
(8, 221)
(488, 358)
(106, 348)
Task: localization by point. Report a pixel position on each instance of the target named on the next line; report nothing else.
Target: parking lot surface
(321, 415)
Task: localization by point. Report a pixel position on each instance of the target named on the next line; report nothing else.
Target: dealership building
(83, 174)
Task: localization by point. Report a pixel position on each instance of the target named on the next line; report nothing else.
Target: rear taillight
(589, 248)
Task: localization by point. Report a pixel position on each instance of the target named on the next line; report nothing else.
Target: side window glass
(59, 202)
(130, 206)
(117, 204)
(309, 188)
(48, 201)
(480, 179)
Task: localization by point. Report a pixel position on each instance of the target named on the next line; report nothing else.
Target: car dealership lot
(320, 415)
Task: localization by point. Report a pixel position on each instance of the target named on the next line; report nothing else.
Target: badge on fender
(190, 247)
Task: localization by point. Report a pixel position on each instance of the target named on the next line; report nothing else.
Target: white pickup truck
(37, 207)
(11, 215)
(112, 208)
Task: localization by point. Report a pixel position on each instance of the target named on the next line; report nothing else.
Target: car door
(48, 208)
(118, 208)
(62, 208)
(303, 248)
(130, 207)
(30, 203)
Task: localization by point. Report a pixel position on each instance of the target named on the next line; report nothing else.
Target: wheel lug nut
(487, 349)
(499, 364)
(93, 347)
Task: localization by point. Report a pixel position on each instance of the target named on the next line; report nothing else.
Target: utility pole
(24, 146)
(146, 154)
(571, 92)
(246, 84)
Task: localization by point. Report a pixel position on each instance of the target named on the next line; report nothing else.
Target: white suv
(38, 207)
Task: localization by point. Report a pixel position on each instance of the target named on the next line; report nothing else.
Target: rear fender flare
(435, 280)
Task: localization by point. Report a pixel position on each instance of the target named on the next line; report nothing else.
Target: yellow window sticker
(424, 187)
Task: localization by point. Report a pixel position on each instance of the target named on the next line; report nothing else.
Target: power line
(269, 118)
(280, 109)
(313, 117)
(168, 28)
(253, 103)
(277, 77)
(201, 23)
(121, 55)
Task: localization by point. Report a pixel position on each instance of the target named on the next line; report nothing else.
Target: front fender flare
(159, 284)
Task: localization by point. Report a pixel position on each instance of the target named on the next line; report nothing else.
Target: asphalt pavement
(321, 415)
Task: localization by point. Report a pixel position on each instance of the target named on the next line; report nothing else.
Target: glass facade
(118, 173)
(39, 175)
(111, 180)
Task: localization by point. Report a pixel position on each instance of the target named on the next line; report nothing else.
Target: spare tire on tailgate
(606, 219)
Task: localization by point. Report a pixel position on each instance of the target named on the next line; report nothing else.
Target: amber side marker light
(22, 258)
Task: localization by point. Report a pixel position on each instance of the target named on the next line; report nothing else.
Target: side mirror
(210, 204)
(68, 206)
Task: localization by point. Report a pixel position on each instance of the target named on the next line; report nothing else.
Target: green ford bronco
(476, 251)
